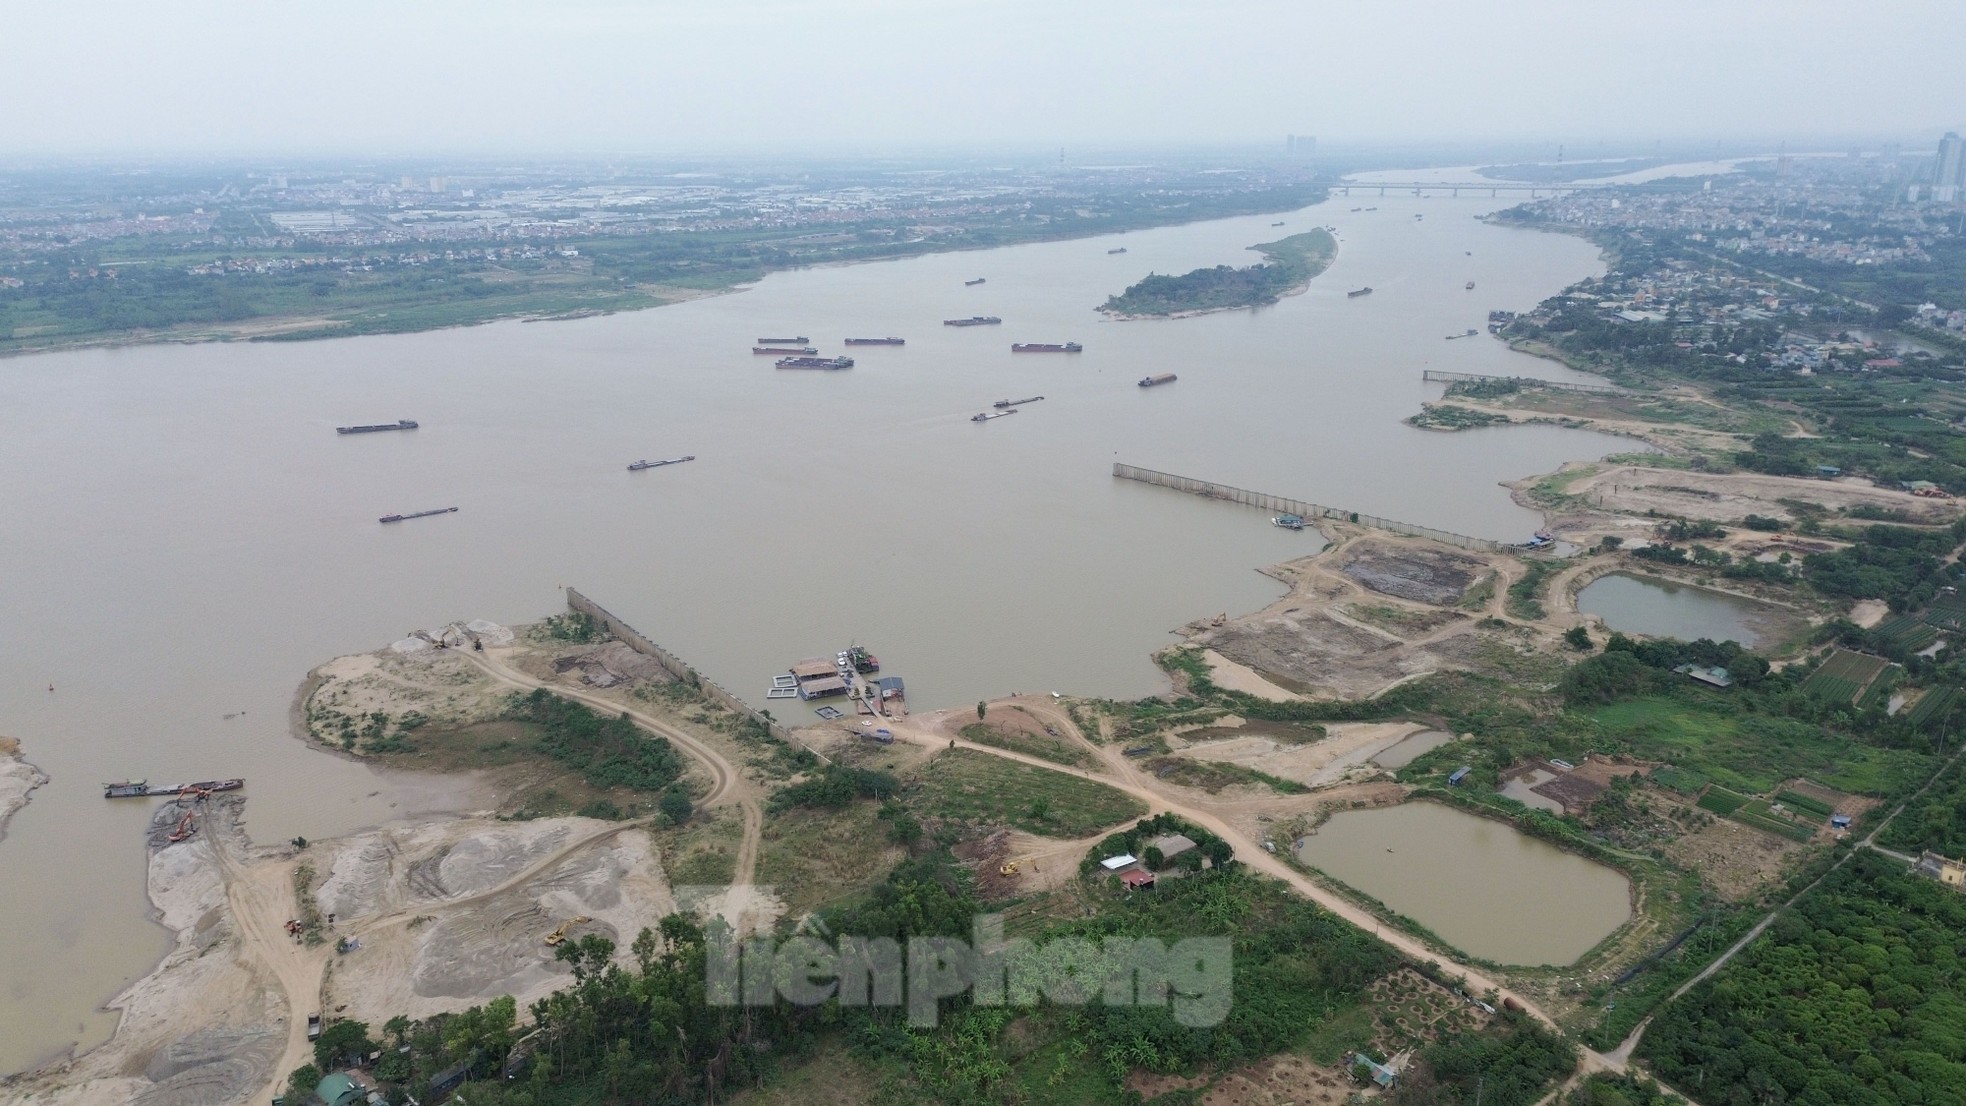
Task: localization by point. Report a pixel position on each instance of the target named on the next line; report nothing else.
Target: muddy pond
(1662, 608)
(1486, 888)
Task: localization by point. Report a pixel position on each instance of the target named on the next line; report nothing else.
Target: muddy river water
(1485, 887)
(186, 535)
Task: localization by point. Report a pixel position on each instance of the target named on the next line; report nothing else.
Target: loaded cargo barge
(640, 465)
(417, 514)
(784, 351)
(799, 341)
(815, 362)
(1015, 402)
(141, 789)
(1357, 292)
(986, 416)
(1046, 347)
(973, 320)
(972, 283)
(1157, 379)
(399, 424)
(876, 341)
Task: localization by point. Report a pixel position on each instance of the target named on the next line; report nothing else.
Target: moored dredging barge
(141, 789)
(815, 362)
(1046, 347)
(417, 514)
(399, 424)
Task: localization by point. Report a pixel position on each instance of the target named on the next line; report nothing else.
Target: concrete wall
(671, 663)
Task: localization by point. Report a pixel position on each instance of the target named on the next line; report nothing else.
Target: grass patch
(1526, 595)
(1058, 750)
(967, 786)
(1346, 1031)
(703, 852)
(1212, 776)
(818, 857)
(1752, 754)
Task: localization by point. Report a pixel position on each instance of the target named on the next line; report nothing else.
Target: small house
(1839, 821)
(1710, 675)
(1137, 879)
(1460, 774)
(340, 1089)
(1117, 863)
(1172, 845)
(1946, 870)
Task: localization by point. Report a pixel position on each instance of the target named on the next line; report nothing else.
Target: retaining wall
(671, 663)
(1300, 507)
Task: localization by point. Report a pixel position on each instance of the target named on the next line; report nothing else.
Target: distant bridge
(1492, 188)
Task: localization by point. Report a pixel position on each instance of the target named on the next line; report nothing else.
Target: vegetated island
(1292, 264)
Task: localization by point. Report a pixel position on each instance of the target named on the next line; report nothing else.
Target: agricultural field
(1909, 632)
(1946, 613)
(1845, 677)
(1761, 814)
(1933, 708)
(1749, 754)
(1722, 801)
(967, 786)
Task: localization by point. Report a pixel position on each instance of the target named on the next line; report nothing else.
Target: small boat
(1002, 403)
(416, 514)
(1288, 522)
(799, 341)
(1357, 292)
(1157, 379)
(1122, 249)
(128, 789)
(1046, 347)
(640, 465)
(786, 351)
(972, 283)
(1470, 286)
(399, 424)
(986, 416)
(875, 342)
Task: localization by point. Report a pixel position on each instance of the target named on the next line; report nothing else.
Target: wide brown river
(185, 535)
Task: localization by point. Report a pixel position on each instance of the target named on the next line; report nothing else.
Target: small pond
(1661, 608)
(1409, 748)
(1482, 885)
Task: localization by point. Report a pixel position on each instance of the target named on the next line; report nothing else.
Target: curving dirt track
(261, 897)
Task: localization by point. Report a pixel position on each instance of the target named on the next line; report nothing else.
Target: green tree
(675, 805)
(1578, 638)
(981, 707)
(340, 1040)
(301, 1084)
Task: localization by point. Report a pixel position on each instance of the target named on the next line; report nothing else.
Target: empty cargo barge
(1157, 379)
(1046, 347)
(783, 351)
(876, 341)
(815, 362)
(973, 320)
(640, 465)
(417, 514)
(399, 424)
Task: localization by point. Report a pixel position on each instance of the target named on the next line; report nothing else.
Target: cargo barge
(640, 465)
(986, 416)
(399, 424)
(785, 351)
(1122, 249)
(876, 342)
(1046, 347)
(973, 320)
(1357, 292)
(1014, 402)
(815, 362)
(972, 283)
(417, 514)
(141, 789)
(1157, 379)
(801, 340)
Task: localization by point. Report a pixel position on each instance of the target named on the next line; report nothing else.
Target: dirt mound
(1412, 572)
(211, 1065)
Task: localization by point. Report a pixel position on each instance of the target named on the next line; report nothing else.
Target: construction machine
(559, 936)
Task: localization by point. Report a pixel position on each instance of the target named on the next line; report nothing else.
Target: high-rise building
(1949, 175)
(1300, 145)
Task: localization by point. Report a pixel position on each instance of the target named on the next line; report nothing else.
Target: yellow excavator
(1010, 867)
(559, 936)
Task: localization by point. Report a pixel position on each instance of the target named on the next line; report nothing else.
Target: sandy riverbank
(18, 779)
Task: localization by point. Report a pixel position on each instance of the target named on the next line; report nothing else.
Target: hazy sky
(460, 76)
